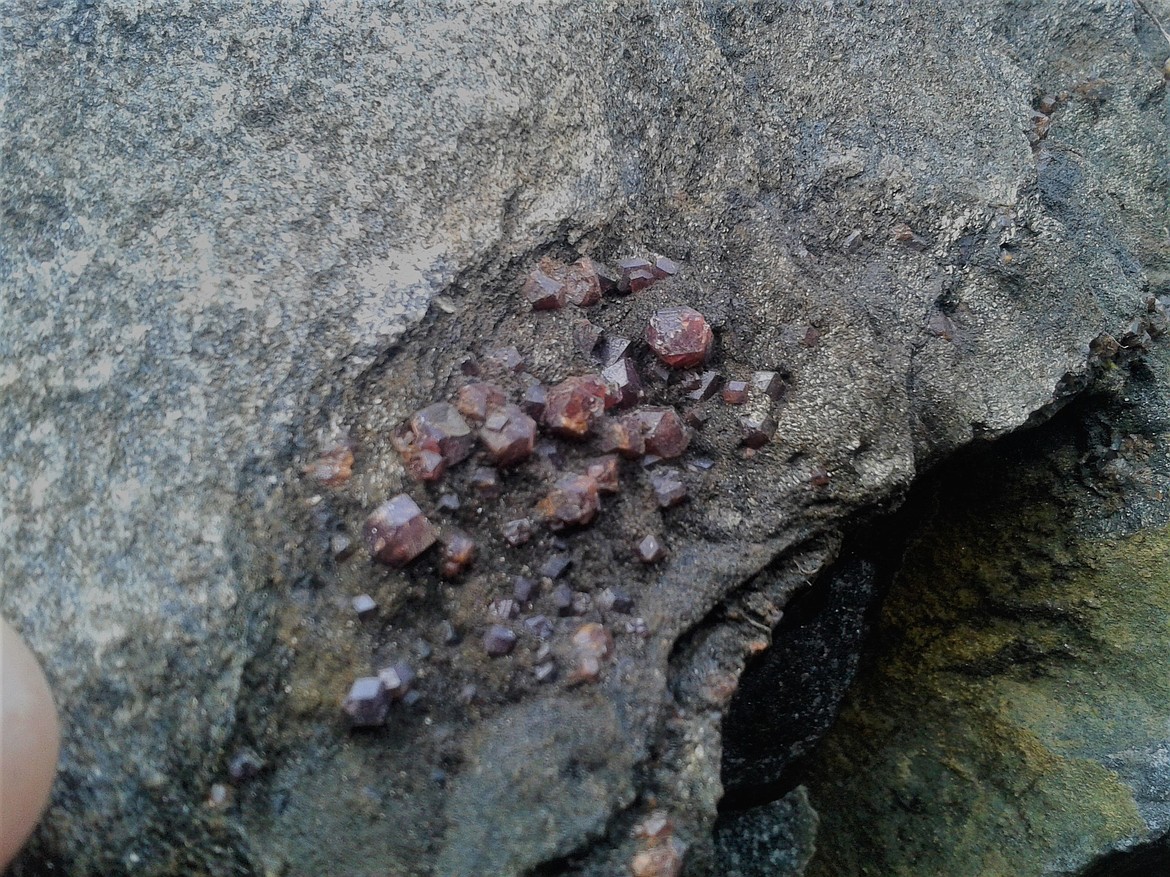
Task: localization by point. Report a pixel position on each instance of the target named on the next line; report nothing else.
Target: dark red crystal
(582, 283)
(574, 405)
(735, 392)
(665, 434)
(397, 532)
(458, 552)
(758, 429)
(624, 435)
(604, 470)
(543, 291)
(703, 386)
(634, 270)
(509, 435)
(474, 401)
(441, 426)
(573, 501)
(486, 481)
(334, 467)
(534, 400)
(611, 348)
(499, 641)
(664, 267)
(623, 386)
(680, 336)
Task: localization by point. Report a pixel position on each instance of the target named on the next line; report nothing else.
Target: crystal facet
(624, 435)
(574, 405)
(735, 392)
(704, 386)
(518, 532)
(573, 501)
(544, 292)
(680, 336)
(397, 531)
(474, 401)
(440, 425)
(650, 550)
(758, 429)
(458, 552)
(624, 387)
(768, 383)
(499, 641)
(665, 433)
(604, 470)
(367, 703)
(669, 490)
(509, 435)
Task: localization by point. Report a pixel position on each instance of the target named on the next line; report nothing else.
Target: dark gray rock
(224, 225)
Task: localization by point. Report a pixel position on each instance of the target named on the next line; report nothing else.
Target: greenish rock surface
(1016, 718)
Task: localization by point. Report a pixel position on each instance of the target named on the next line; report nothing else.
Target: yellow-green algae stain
(1017, 657)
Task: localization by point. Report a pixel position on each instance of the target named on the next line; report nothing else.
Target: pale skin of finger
(29, 742)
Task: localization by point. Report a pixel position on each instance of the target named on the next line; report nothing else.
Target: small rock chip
(819, 478)
(612, 599)
(556, 566)
(245, 765)
(605, 471)
(550, 452)
(941, 326)
(811, 336)
(525, 589)
(518, 532)
(562, 599)
(664, 267)
(703, 386)
(680, 336)
(650, 550)
(768, 383)
(669, 490)
(448, 502)
(507, 358)
(573, 501)
(422, 458)
(545, 672)
(659, 373)
(624, 435)
(657, 826)
(341, 546)
(701, 464)
(504, 608)
(757, 429)
(449, 634)
(367, 703)
(535, 400)
(458, 552)
(695, 418)
(398, 679)
(592, 644)
(638, 627)
(540, 626)
(364, 606)
(499, 641)
(544, 292)
(334, 467)
(664, 859)
(623, 385)
(664, 432)
(586, 337)
(574, 405)
(486, 481)
(509, 435)
(397, 532)
(735, 392)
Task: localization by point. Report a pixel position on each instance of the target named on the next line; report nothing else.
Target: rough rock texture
(1016, 719)
(223, 226)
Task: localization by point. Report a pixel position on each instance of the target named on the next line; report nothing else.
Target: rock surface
(234, 233)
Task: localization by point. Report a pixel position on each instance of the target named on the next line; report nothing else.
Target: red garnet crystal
(768, 384)
(573, 501)
(664, 267)
(574, 404)
(680, 336)
(604, 470)
(650, 550)
(535, 400)
(636, 274)
(509, 435)
(397, 531)
(334, 467)
(474, 401)
(623, 384)
(624, 435)
(665, 433)
(703, 387)
(440, 426)
(582, 283)
(458, 552)
(758, 429)
(735, 393)
(543, 291)
(518, 532)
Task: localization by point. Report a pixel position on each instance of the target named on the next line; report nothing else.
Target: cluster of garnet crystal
(506, 420)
